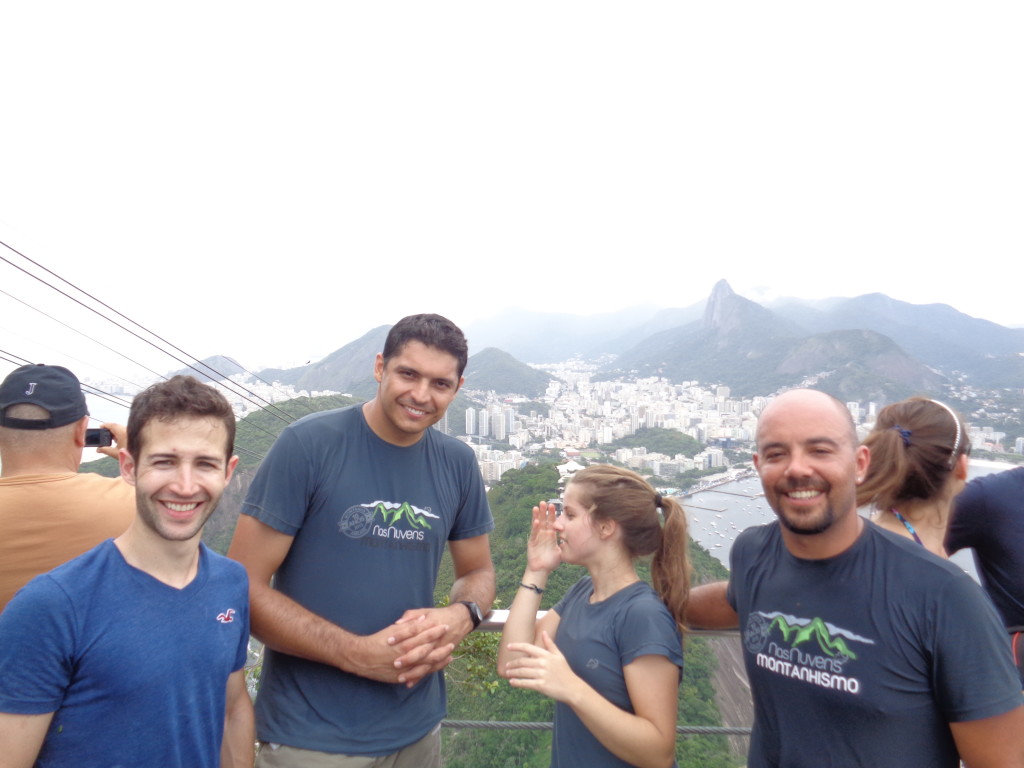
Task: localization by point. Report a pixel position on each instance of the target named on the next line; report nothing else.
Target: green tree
(658, 440)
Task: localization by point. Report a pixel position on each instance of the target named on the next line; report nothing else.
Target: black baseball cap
(52, 387)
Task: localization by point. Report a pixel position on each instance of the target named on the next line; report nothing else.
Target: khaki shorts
(425, 753)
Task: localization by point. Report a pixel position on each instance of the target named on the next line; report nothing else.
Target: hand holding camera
(108, 439)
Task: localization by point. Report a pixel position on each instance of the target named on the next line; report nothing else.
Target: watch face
(474, 611)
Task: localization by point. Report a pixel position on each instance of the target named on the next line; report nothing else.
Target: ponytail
(670, 568)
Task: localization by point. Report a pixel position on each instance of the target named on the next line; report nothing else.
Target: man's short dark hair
(182, 396)
(431, 330)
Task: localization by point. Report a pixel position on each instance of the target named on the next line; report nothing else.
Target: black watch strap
(475, 614)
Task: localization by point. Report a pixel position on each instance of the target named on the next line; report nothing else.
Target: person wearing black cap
(48, 512)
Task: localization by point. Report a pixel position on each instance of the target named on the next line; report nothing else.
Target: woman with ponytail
(919, 449)
(609, 652)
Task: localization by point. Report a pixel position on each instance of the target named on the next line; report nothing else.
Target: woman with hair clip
(610, 651)
(919, 449)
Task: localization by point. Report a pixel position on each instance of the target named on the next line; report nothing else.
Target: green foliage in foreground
(105, 466)
(476, 692)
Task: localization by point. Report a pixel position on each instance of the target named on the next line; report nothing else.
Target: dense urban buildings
(578, 413)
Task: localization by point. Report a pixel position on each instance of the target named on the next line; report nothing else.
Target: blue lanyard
(908, 526)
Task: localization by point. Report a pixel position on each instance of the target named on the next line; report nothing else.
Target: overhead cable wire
(250, 453)
(92, 309)
(269, 407)
(139, 325)
(140, 338)
(96, 392)
(99, 393)
(19, 362)
(255, 426)
(269, 384)
(89, 389)
(90, 338)
(264, 430)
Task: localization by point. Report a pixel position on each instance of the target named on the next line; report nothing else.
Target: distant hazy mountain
(756, 351)
(936, 334)
(663, 320)
(213, 368)
(734, 338)
(859, 365)
(348, 370)
(551, 337)
(870, 346)
(492, 369)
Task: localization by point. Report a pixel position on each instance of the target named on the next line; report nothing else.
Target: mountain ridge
(866, 347)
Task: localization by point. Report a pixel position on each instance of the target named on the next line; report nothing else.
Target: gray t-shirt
(371, 521)
(599, 640)
(866, 657)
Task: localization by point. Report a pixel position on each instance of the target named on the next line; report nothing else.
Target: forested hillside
(476, 692)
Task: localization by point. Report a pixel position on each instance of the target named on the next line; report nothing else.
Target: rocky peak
(720, 307)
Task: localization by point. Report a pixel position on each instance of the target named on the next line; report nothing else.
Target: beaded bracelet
(534, 587)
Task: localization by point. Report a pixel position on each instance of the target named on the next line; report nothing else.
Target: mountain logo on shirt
(359, 520)
(811, 651)
(796, 632)
(393, 512)
(808, 650)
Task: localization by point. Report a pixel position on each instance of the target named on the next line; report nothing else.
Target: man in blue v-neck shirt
(133, 653)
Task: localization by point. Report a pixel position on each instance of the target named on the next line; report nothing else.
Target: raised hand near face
(542, 551)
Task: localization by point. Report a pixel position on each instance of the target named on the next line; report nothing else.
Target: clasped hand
(420, 643)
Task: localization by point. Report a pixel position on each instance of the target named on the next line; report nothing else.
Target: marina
(719, 510)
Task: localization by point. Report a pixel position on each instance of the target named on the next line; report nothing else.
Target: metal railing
(495, 622)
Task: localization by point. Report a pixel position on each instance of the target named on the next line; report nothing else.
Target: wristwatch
(474, 612)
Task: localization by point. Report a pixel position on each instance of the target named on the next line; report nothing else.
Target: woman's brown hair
(614, 493)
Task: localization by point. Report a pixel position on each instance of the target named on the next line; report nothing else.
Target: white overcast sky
(272, 180)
